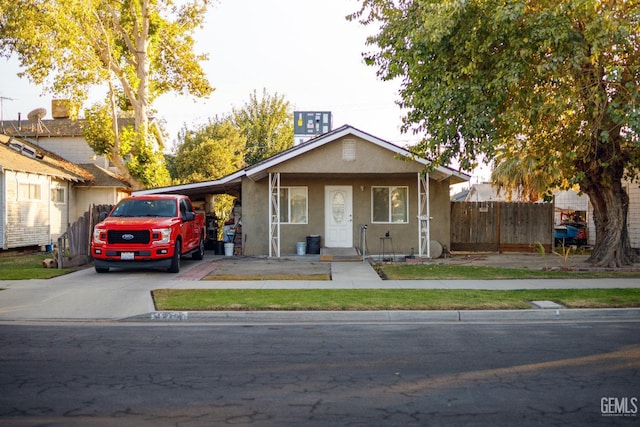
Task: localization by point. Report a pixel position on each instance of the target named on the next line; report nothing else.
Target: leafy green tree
(560, 76)
(209, 152)
(138, 49)
(267, 123)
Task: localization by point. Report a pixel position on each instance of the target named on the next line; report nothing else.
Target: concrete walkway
(87, 296)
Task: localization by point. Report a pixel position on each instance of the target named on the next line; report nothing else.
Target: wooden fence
(501, 226)
(74, 244)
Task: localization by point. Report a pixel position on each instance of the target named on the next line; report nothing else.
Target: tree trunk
(115, 155)
(610, 208)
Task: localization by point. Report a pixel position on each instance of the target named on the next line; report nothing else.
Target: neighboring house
(633, 216)
(569, 204)
(42, 193)
(60, 136)
(332, 186)
(104, 188)
(484, 192)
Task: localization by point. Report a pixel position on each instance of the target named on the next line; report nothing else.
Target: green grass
(27, 266)
(443, 272)
(386, 299)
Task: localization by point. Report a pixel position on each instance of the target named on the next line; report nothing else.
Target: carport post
(424, 215)
(274, 214)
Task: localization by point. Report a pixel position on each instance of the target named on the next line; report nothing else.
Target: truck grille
(131, 237)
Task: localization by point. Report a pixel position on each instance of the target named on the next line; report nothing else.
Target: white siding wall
(27, 220)
(75, 150)
(59, 210)
(633, 218)
(86, 196)
(591, 226)
(3, 200)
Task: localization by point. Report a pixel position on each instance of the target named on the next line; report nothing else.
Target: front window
(390, 205)
(57, 195)
(29, 191)
(293, 205)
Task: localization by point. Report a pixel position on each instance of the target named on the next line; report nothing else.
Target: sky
(304, 50)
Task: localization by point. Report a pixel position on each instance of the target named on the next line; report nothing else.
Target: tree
(516, 171)
(138, 49)
(267, 124)
(560, 76)
(210, 152)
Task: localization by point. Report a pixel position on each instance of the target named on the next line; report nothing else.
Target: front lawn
(472, 272)
(386, 299)
(27, 266)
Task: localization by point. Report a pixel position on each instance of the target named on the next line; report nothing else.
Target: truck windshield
(141, 208)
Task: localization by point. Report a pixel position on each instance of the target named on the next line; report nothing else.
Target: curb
(408, 316)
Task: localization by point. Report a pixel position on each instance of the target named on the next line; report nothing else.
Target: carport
(203, 192)
(199, 191)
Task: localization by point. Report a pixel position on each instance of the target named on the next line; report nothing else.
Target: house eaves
(48, 157)
(230, 184)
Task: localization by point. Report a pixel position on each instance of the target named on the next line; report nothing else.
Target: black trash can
(218, 247)
(313, 245)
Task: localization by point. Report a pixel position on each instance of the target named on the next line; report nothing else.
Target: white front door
(338, 216)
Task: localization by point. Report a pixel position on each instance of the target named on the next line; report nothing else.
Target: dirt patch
(299, 268)
(531, 261)
(248, 268)
(517, 260)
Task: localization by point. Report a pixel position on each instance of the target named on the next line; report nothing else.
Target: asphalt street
(442, 374)
(90, 349)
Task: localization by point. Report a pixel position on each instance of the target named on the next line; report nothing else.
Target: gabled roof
(48, 163)
(11, 159)
(485, 192)
(102, 177)
(49, 128)
(28, 128)
(260, 170)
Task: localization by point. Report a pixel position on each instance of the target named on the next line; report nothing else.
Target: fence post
(498, 226)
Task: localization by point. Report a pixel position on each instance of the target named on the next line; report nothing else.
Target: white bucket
(228, 249)
(301, 248)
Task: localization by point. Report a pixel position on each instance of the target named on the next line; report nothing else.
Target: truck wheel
(199, 254)
(102, 270)
(175, 261)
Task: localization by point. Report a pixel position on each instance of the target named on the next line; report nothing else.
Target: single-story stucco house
(333, 186)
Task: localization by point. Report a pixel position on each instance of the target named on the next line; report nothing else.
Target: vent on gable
(28, 151)
(23, 149)
(349, 150)
(16, 146)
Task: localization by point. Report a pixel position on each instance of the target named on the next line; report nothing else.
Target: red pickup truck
(148, 231)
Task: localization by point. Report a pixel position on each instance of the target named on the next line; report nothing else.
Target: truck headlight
(99, 236)
(161, 235)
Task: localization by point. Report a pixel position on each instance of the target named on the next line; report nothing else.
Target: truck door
(188, 227)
